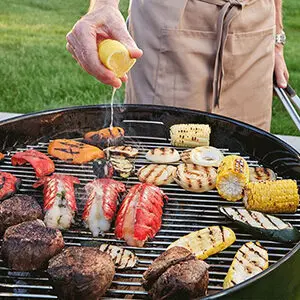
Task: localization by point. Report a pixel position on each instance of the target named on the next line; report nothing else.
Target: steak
(169, 258)
(81, 273)
(185, 280)
(18, 209)
(28, 246)
(176, 274)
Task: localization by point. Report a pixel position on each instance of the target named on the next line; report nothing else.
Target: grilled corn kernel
(190, 135)
(280, 196)
(233, 175)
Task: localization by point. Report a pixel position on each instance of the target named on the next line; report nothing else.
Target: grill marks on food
(206, 242)
(249, 260)
(122, 258)
(196, 178)
(163, 155)
(73, 151)
(126, 151)
(157, 174)
(261, 174)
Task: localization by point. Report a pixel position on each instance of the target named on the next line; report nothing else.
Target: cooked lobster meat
(101, 205)
(9, 185)
(74, 152)
(41, 163)
(106, 137)
(139, 216)
(59, 200)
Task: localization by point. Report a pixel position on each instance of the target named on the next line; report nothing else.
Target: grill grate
(185, 212)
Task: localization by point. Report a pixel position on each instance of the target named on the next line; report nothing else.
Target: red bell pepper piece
(41, 163)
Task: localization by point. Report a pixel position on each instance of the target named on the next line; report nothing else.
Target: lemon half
(115, 56)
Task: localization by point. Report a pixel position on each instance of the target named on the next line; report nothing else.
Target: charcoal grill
(147, 127)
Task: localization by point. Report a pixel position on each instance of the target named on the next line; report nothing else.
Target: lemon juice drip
(112, 108)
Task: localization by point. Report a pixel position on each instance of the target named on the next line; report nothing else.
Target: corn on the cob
(190, 135)
(249, 260)
(206, 242)
(280, 196)
(233, 175)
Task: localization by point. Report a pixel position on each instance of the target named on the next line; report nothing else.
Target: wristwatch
(280, 38)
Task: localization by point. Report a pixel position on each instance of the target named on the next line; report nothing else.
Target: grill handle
(285, 95)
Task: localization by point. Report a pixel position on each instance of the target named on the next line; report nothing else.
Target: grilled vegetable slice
(2, 156)
(233, 175)
(190, 135)
(250, 260)
(280, 196)
(163, 155)
(126, 151)
(261, 174)
(41, 163)
(262, 225)
(195, 178)
(122, 166)
(157, 174)
(103, 168)
(186, 156)
(9, 185)
(206, 156)
(74, 152)
(122, 258)
(206, 242)
(106, 137)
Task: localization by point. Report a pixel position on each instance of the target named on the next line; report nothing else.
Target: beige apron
(210, 55)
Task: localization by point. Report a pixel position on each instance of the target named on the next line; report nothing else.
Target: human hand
(105, 22)
(280, 68)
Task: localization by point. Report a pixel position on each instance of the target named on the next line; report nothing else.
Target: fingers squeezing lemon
(115, 57)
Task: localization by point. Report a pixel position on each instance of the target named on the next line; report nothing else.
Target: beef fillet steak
(81, 273)
(28, 246)
(176, 274)
(18, 209)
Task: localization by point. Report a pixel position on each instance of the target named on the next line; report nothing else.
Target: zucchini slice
(262, 225)
(206, 242)
(249, 260)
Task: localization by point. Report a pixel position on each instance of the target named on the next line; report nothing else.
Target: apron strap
(230, 9)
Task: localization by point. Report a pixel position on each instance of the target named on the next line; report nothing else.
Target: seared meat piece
(169, 258)
(18, 209)
(29, 245)
(176, 274)
(185, 280)
(81, 273)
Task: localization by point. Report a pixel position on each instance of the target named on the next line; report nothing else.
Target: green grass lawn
(37, 72)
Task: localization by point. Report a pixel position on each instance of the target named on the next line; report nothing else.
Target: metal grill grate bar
(184, 213)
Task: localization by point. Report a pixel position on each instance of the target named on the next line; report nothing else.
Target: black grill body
(151, 123)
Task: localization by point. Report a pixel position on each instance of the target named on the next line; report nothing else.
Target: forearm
(94, 4)
(278, 16)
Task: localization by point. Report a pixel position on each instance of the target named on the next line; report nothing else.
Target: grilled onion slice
(163, 155)
(261, 174)
(196, 178)
(157, 174)
(206, 156)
